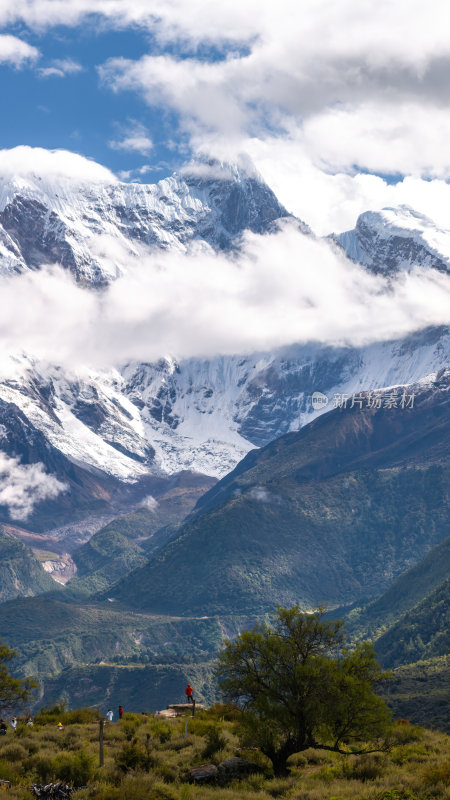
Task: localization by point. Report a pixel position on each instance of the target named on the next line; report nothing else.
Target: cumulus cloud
(16, 52)
(283, 288)
(365, 74)
(355, 79)
(23, 486)
(134, 138)
(59, 68)
(26, 161)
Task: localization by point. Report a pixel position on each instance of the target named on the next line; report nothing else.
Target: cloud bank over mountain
(281, 288)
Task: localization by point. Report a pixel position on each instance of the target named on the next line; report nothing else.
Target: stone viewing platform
(178, 709)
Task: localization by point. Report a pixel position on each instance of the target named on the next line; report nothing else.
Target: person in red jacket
(190, 699)
(120, 712)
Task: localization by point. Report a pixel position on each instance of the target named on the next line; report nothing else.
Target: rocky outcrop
(230, 770)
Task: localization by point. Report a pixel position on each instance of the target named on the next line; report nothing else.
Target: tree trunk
(279, 758)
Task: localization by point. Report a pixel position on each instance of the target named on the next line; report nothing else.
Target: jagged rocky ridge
(203, 415)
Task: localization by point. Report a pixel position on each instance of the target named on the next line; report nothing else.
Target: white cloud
(59, 68)
(16, 52)
(134, 138)
(282, 288)
(149, 503)
(23, 486)
(354, 85)
(51, 164)
(331, 202)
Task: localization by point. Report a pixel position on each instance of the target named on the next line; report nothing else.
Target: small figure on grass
(109, 715)
(120, 712)
(189, 693)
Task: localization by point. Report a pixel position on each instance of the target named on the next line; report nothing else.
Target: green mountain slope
(21, 574)
(423, 632)
(105, 558)
(419, 692)
(50, 635)
(331, 514)
(129, 541)
(408, 589)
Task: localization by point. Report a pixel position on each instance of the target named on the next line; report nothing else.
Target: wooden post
(185, 726)
(100, 741)
(193, 707)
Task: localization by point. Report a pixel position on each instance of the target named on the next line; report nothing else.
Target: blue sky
(78, 111)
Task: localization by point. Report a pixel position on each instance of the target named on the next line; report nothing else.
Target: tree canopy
(14, 692)
(301, 687)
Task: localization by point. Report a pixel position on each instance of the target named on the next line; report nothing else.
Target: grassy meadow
(147, 758)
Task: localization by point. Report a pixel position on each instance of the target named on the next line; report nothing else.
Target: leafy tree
(13, 691)
(300, 687)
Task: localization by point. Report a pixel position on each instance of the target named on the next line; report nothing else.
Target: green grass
(146, 758)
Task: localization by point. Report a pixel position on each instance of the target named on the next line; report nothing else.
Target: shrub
(9, 772)
(365, 768)
(224, 712)
(160, 730)
(315, 756)
(100, 791)
(42, 766)
(46, 716)
(215, 741)
(81, 716)
(401, 755)
(277, 787)
(396, 794)
(132, 757)
(77, 769)
(298, 760)
(14, 752)
(405, 733)
(129, 728)
(59, 713)
(438, 773)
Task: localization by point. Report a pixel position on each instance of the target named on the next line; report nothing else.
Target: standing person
(120, 712)
(190, 699)
(14, 723)
(109, 715)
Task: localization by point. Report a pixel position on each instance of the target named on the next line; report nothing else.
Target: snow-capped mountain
(86, 227)
(155, 419)
(396, 239)
(205, 415)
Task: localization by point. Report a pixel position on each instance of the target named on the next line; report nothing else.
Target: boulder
(235, 768)
(230, 770)
(205, 773)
